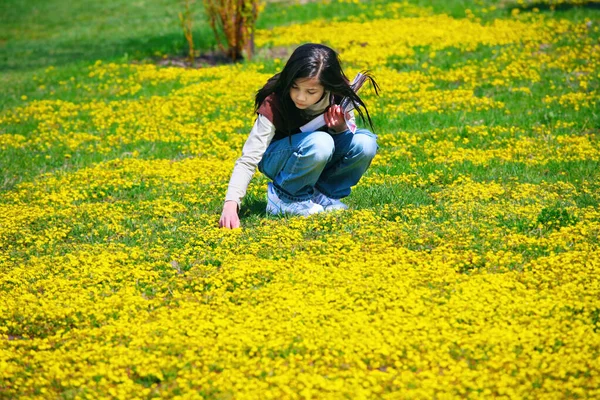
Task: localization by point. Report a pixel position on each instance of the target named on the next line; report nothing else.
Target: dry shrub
(186, 24)
(233, 23)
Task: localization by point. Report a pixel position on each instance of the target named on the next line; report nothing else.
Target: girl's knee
(319, 145)
(365, 144)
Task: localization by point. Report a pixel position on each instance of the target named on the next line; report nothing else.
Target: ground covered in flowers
(467, 265)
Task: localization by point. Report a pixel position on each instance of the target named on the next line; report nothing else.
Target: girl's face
(306, 91)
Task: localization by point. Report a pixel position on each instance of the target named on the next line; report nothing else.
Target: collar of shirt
(320, 106)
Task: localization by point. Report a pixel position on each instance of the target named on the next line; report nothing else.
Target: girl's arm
(260, 136)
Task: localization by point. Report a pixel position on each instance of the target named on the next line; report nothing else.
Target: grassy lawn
(467, 265)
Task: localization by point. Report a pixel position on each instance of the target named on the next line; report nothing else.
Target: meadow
(468, 264)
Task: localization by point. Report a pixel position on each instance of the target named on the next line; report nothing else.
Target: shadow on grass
(554, 7)
(253, 207)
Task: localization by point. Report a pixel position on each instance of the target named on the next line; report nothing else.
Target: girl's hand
(334, 118)
(229, 216)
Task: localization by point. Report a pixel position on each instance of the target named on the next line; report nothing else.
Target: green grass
(60, 32)
(37, 34)
(72, 36)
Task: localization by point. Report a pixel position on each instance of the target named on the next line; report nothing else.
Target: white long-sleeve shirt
(259, 139)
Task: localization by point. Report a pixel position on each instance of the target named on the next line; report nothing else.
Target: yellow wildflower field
(467, 266)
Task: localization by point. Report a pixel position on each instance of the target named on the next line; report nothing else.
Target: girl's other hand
(229, 216)
(334, 118)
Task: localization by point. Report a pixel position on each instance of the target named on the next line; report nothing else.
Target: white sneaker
(277, 206)
(328, 203)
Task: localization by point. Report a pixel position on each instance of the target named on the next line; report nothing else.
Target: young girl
(310, 171)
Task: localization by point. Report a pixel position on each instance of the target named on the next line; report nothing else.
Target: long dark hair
(314, 61)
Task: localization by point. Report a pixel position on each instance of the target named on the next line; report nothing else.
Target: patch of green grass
(40, 33)
(446, 59)
(572, 172)
(397, 195)
(19, 164)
